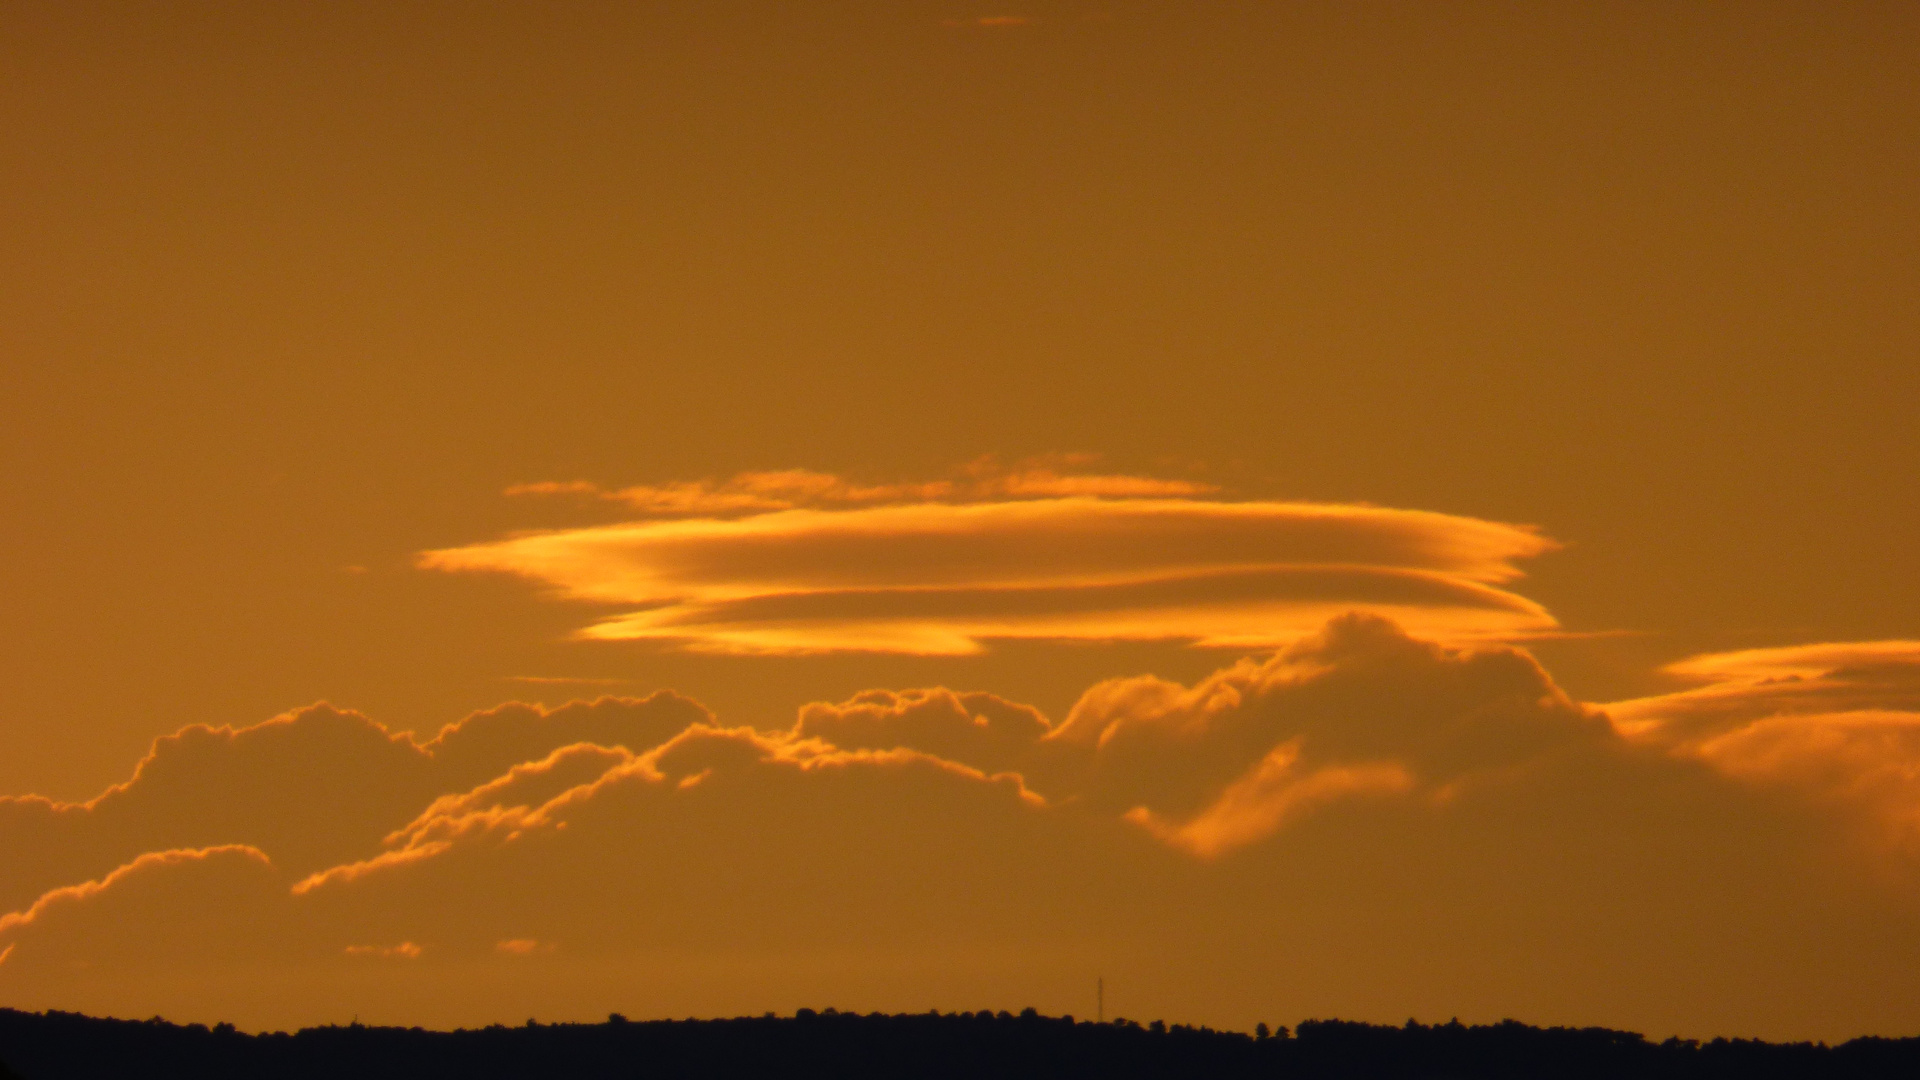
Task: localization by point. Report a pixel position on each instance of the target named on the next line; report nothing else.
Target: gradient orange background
(291, 294)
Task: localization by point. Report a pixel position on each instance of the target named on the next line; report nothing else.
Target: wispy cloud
(406, 950)
(1274, 793)
(1837, 722)
(784, 489)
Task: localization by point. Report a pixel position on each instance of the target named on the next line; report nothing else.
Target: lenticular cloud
(942, 578)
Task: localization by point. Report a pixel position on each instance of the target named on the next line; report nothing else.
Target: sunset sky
(1312, 509)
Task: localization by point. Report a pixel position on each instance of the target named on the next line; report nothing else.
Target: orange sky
(954, 443)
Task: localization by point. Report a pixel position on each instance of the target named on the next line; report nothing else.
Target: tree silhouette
(851, 1046)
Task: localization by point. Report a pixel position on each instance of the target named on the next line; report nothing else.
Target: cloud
(1359, 709)
(56, 899)
(1270, 795)
(983, 730)
(543, 797)
(183, 907)
(483, 745)
(940, 578)
(774, 490)
(554, 487)
(315, 787)
(406, 950)
(1837, 722)
(785, 489)
(1364, 822)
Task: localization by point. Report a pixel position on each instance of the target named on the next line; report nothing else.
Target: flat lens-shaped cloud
(940, 578)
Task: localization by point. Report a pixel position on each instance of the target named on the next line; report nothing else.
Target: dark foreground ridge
(56, 1046)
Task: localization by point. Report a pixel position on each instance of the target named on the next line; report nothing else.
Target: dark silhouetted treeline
(56, 1046)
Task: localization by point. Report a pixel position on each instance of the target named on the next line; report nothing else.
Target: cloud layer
(1365, 822)
(941, 578)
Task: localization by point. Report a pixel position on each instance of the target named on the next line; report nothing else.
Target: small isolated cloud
(406, 950)
(522, 947)
(1837, 722)
(1084, 558)
(555, 487)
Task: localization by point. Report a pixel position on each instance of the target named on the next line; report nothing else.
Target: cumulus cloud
(184, 906)
(1365, 817)
(939, 578)
(983, 730)
(56, 899)
(1360, 710)
(315, 787)
(1837, 722)
(697, 766)
(1357, 709)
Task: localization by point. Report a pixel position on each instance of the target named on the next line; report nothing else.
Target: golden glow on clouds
(1800, 661)
(1837, 722)
(406, 950)
(294, 291)
(783, 489)
(1357, 709)
(1270, 795)
(1046, 556)
(148, 864)
(1154, 810)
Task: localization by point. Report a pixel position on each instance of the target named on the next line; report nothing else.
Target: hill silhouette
(58, 1046)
